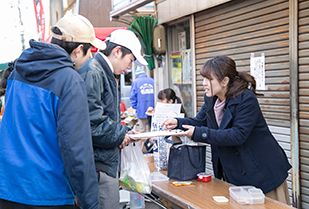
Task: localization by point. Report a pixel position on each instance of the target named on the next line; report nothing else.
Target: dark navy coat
(242, 146)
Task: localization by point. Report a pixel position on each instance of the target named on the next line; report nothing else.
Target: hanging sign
(182, 40)
(176, 68)
(257, 70)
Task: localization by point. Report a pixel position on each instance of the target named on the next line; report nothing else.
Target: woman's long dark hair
(223, 66)
(169, 94)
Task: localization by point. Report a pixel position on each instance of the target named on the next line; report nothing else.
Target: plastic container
(203, 177)
(157, 176)
(136, 200)
(149, 158)
(247, 195)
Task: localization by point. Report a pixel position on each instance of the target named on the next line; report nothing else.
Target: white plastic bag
(135, 173)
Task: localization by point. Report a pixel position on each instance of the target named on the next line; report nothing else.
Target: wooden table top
(199, 194)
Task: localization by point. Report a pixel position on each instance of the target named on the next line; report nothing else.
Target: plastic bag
(135, 173)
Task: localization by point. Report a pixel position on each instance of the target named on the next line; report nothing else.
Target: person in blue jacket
(244, 152)
(142, 97)
(46, 149)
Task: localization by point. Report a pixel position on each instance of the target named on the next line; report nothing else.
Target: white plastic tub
(247, 195)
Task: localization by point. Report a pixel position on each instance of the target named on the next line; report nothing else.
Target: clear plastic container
(157, 176)
(247, 195)
(136, 200)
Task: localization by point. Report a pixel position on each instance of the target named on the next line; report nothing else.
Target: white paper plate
(157, 134)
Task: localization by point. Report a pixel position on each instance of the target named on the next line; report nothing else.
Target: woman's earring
(74, 64)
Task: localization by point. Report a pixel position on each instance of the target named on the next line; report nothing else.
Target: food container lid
(255, 191)
(203, 174)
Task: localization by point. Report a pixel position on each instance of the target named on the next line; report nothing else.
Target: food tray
(157, 134)
(247, 195)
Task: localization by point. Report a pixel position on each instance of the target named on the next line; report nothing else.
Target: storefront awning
(126, 6)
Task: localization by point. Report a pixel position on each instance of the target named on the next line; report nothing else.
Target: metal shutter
(304, 100)
(239, 28)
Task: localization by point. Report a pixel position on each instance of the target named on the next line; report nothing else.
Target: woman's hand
(190, 130)
(169, 123)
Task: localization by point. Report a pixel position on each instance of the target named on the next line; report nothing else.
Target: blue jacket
(104, 109)
(243, 146)
(142, 95)
(46, 151)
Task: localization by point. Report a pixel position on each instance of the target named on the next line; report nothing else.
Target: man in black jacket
(108, 134)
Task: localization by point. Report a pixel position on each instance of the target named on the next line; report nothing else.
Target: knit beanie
(139, 70)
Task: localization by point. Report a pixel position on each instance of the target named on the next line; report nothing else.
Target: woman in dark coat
(244, 152)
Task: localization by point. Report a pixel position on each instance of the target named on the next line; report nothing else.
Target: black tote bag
(186, 161)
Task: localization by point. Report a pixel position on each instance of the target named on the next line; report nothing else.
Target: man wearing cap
(46, 148)
(142, 97)
(108, 134)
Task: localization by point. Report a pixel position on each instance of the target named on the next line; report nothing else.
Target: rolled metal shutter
(304, 100)
(237, 29)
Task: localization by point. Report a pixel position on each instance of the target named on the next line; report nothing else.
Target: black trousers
(4, 204)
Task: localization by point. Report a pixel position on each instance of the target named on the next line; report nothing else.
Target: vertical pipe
(76, 7)
(192, 44)
(56, 11)
(22, 32)
(294, 118)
